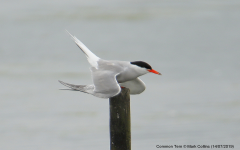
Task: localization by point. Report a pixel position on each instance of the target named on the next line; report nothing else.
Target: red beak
(154, 71)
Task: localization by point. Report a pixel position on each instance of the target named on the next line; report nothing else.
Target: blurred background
(193, 43)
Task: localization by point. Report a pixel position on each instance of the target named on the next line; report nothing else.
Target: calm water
(193, 43)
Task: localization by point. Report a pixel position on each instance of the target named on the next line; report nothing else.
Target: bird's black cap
(141, 64)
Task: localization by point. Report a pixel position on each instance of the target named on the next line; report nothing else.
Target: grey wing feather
(105, 83)
(82, 88)
(72, 86)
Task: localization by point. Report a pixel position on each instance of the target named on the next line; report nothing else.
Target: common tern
(109, 76)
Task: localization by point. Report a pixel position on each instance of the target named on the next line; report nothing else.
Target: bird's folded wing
(105, 82)
(136, 86)
(82, 88)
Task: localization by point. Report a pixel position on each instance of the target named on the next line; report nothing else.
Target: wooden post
(120, 121)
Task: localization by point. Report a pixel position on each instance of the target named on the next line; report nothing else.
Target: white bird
(109, 76)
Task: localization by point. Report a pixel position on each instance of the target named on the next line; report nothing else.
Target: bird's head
(144, 67)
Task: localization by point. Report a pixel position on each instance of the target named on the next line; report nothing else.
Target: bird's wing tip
(63, 83)
(60, 81)
(69, 89)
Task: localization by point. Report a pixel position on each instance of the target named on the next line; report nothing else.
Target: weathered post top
(120, 121)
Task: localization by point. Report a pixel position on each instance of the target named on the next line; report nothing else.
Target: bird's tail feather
(92, 58)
